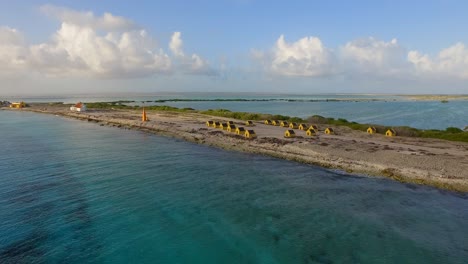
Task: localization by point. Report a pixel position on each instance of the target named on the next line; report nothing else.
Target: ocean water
(390, 110)
(76, 192)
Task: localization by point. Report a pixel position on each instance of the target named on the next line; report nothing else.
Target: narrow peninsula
(428, 161)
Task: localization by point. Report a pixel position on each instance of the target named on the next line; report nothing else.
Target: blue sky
(241, 45)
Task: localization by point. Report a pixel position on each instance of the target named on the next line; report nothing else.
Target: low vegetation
(451, 133)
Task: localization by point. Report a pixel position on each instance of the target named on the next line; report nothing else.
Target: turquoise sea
(389, 110)
(76, 192)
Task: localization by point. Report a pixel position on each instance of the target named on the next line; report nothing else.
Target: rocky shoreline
(439, 163)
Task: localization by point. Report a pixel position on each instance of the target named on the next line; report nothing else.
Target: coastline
(439, 163)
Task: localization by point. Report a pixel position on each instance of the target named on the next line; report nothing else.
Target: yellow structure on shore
(292, 125)
(249, 123)
(240, 131)
(267, 122)
(275, 122)
(209, 123)
(390, 133)
(329, 131)
(231, 128)
(18, 104)
(311, 132)
(230, 122)
(314, 127)
(217, 125)
(144, 118)
(289, 133)
(371, 130)
(303, 126)
(250, 134)
(284, 124)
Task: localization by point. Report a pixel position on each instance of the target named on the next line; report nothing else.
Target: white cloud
(13, 52)
(305, 57)
(93, 46)
(175, 45)
(81, 50)
(369, 55)
(450, 62)
(189, 64)
(106, 22)
(362, 58)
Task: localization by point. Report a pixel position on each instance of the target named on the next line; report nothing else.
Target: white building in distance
(79, 107)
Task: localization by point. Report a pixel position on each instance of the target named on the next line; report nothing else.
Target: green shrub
(316, 119)
(453, 130)
(280, 117)
(407, 131)
(296, 120)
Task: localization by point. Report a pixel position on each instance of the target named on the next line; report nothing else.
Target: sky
(70, 47)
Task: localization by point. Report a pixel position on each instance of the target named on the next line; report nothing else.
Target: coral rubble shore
(439, 163)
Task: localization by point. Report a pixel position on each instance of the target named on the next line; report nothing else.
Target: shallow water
(76, 192)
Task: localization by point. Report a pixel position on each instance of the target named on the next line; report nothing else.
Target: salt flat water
(389, 110)
(76, 192)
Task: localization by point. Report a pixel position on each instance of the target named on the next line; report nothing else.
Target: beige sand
(423, 97)
(440, 163)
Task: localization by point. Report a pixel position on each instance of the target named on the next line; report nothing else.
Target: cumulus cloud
(106, 22)
(369, 55)
(366, 57)
(78, 50)
(305, 57)
(193, 64)
(13, 52)
(104, 46)
(175, 45)
(450, 62)
(93, 46)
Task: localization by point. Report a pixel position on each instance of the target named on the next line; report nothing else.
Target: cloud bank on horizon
(309, 57)
(87, 45)
(93, 46)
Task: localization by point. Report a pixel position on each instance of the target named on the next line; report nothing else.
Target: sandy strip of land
(422, 97)
(439, 163)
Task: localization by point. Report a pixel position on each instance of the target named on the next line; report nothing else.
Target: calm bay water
(74, 192)
(390, 111)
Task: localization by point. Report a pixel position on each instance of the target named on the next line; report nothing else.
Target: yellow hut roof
(292, 125)
(250, 134)
(371, 130)
(311, 132)
(390, 132)
(289, 133)
(239, 130)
